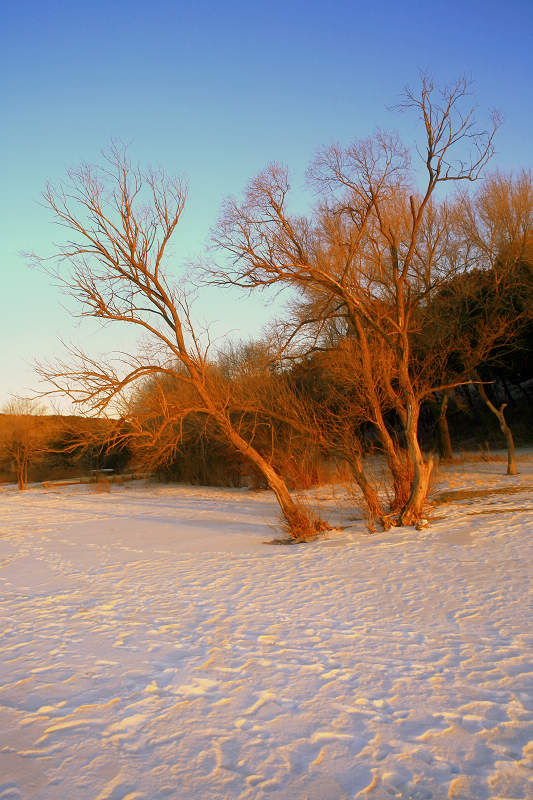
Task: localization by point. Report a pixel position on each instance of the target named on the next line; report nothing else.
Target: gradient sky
(215, 91)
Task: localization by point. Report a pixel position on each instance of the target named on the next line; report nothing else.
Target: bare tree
(120, 221)
(496, 224)
(23, 440)
(364, 253)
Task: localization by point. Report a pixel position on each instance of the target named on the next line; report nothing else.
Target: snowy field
(153, 645)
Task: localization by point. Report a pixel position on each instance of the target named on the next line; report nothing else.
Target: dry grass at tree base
(302, 526)
(484, 456)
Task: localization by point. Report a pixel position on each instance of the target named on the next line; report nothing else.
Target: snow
(155, 645)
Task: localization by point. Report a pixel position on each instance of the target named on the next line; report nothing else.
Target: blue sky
(215, 91)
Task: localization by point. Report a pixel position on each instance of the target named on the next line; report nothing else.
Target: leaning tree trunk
(504, 427)
(367, 490)
(298, 521)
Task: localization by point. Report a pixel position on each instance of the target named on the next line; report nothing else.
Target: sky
(215, 91)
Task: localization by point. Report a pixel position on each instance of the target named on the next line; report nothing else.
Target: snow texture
(154, 645)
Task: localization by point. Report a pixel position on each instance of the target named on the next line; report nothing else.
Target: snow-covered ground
(153, 645)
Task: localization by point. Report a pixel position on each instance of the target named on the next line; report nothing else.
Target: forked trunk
(394, 463)
(504, 427)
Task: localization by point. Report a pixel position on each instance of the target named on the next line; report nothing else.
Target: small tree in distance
(22, 438)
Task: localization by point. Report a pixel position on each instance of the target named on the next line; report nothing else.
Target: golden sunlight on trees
(498, 225)
(265, 409)
(480, 313)
(23, 438)
(403, 298)
(120, 220)
(371, 256)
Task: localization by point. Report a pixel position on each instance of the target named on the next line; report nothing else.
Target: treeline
(409, 297)
(306, 413)
(35, 446)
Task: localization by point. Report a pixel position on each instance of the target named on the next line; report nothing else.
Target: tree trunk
(21, 468)
(505, 429)
(510, 398)
(298, 521)
(371, 499)
(511, 462)
(394, 463)
(445, 442)
(412, 510)
(391, 453)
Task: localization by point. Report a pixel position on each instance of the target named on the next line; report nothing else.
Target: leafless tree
(120, 220)
(23, 439)
(364, 253)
